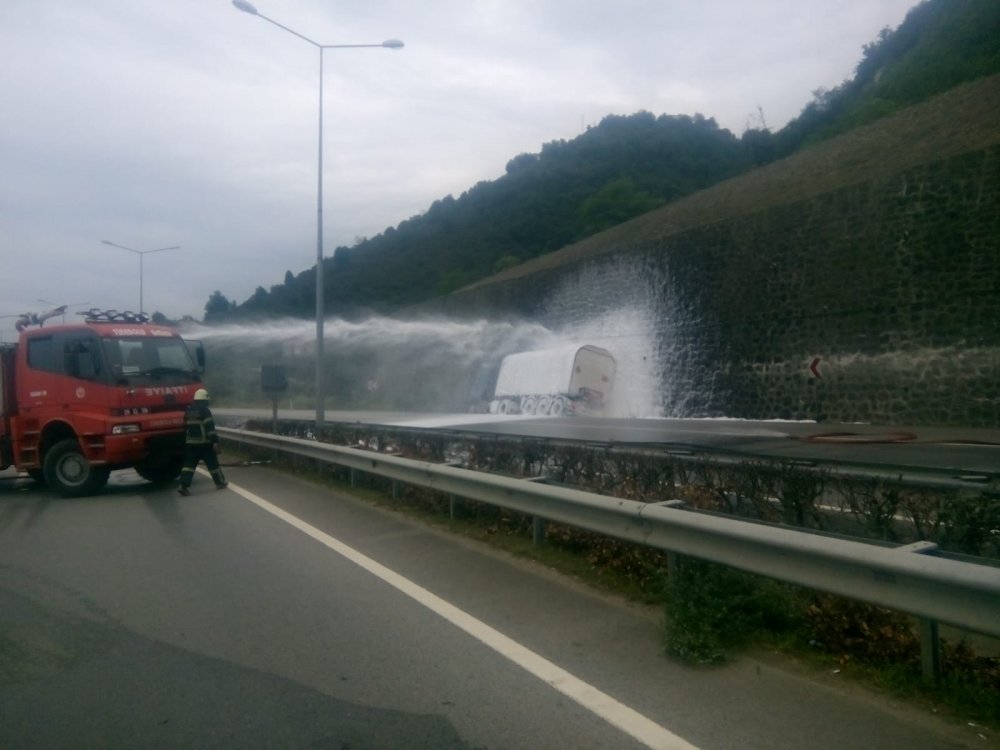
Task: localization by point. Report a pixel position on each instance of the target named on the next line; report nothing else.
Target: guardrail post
(354, 478)
(930, 651)
(537, 524)
(395, 490)
(930, 642)
(673, 559)
(537, 531)
(451, 497)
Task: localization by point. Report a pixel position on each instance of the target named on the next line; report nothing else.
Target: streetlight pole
(247, 7)
(140, 253)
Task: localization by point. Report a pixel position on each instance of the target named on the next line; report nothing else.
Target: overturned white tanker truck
(570, 379)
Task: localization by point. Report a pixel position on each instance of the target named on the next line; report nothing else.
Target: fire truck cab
(78, 401)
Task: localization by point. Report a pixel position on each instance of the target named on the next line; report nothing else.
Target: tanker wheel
(68, 472)
(161, 473)
(557, 407)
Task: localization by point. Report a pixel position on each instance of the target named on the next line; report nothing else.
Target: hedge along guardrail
(906, 578)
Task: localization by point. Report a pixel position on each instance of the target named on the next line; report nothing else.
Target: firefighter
(201, 443)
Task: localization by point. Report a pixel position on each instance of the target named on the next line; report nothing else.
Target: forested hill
(619, 169)
(623, 167)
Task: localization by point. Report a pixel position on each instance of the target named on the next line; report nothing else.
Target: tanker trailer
(570, 379)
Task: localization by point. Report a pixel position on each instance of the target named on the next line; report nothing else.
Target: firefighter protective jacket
(199, 426)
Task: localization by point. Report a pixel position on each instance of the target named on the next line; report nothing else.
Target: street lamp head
(121, 247)
(245, 7)
(391, 43)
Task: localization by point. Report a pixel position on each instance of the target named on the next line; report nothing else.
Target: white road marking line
(617, 714)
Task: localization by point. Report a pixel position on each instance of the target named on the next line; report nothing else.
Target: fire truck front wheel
(68, 472)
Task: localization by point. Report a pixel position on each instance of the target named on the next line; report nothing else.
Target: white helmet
(201, 395)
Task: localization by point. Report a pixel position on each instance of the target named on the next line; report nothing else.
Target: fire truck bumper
(125, 450)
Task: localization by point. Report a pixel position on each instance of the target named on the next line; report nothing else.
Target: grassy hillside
(940, 44)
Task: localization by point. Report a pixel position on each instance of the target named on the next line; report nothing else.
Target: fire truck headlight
(124, 429)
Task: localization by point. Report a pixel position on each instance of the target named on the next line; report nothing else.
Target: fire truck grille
(140, 410)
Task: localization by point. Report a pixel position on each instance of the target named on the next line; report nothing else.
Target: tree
(502, 264)
(616, 202)
(217, 306)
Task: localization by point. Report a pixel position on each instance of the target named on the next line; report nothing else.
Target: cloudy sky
(189, 123)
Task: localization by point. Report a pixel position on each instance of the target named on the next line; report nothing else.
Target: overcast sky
(152, 124)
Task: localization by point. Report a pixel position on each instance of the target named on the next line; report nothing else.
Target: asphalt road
(276, 614)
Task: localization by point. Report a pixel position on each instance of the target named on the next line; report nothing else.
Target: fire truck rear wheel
(68, 472)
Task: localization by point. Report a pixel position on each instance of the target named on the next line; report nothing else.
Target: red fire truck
(78, 401)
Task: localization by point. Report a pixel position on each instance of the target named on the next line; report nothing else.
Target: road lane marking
(646, 731)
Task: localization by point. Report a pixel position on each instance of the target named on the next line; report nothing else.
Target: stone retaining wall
(875, 298)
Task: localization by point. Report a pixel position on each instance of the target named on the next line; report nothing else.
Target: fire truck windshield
(141, 361)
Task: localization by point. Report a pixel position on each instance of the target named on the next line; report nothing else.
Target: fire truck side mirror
(199, 353)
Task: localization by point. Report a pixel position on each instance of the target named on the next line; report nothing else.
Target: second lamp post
(140, 253)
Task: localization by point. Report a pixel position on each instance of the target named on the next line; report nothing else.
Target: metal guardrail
(906, 578)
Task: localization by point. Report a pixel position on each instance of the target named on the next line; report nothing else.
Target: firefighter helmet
(201, 395)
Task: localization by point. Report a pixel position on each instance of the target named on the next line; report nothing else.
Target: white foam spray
(434, 364)
(616, 305)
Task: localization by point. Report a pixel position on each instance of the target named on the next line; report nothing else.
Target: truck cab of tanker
(79, 401)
